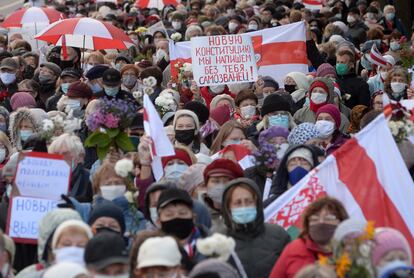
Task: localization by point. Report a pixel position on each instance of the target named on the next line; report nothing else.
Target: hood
(15, 120)
(5, 113)
(243, 230)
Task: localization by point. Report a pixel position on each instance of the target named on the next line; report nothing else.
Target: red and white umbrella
(159, 4)
(85, 33)
(32, 15)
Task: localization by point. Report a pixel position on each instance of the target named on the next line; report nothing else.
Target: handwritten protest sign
(41, 175)
(25, 214)
(223, 60)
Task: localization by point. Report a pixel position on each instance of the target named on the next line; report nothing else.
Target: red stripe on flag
(278, 53)
(180, 62)
(366, 188)
(312, 2)
(381, 62)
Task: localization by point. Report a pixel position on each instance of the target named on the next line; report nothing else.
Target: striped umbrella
(32, 15)
(86, 33)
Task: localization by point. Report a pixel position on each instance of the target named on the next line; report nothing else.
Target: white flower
(187, 67)
(137, 94)
(48, 125)
(146, 82)
(129, 196)
(152, 81)
(148, 90)
(71, 125)
(218, 245)
(123, 167)
(176, 36)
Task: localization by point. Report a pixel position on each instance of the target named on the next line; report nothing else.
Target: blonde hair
(71, 142)
(7, 144)
(98, 56)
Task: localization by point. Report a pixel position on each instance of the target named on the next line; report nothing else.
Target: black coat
(356, 87)
(80, 185)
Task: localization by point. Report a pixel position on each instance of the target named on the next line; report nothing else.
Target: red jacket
(296, 255)
(208, 97)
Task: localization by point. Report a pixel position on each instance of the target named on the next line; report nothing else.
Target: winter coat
(356, 87)
(258, 245)
(80, 186)
(298, 254)
(357, 33)
(305, 115)
(259, 177)
(33, 116)
(338, 139)
(395, 24)
(51, 102)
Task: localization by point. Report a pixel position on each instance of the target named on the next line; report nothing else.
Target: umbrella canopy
(31, 16)
(85, 33)
(159, 4)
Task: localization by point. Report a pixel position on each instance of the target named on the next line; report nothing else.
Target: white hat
(302, 153)
(347, 227)
(70, 223)
(65, 270)
(390, 60)
(159, 251)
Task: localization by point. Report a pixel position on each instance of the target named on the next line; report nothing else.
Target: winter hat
(223, 167)
(177, 16)
(213, 268)
(22, 99)
(199, 109)
(325, 69)
(348, 227)
(159, 251)
(189, 113)
(96, 72)
(78, 89)
(302, 134)
(70, 223)
(332, 110)
(272, 132)
(318, 83)
(273, 103)
(192, 177)
(218, 98)
(270, 82)
(302, 82)
(53, 67)
(386, 240)
(302, 153)
(167, 117)
(180, 153)
(107, 209)
(175, 195)
(9, 64)
(220, 114)
(65, 270)
(71, 72)
(203, 159)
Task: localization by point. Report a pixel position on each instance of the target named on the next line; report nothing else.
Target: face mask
(118, 67)
(110, 192)
(153, 214)
(321, 233)
(394, 46)
(2, 154)
(297, 174)
(3, 127)
(248, 112)
(231, 142)
(325, 128)
(318, 98)
(290, 88)
(371, 16)
(253, 26)
(46, 79)
(176, 25)
(218, 89)
(111, 91)
(178, 227)
(216, 193)
(391, 265)
(398, 87)
(350, 19)
(232, 27)
(7, 78)
(341, 69)
(64, 87)
(5, 270)
(175, 171)
(25, 134)
(129, 80)
(384, 74)
(279, 120)
(71, 254)
(73, 104)
(365, 63)
(106, 230)
(390, 16)
(96, 88)
(244, 215)
(185, 136)
(126, 275)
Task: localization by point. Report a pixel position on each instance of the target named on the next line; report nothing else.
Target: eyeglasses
(325, 219)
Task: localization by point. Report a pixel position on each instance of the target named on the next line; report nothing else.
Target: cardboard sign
(25, 214)
(220, 60)
(42, 175)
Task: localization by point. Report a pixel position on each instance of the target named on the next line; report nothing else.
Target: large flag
(239, 153)
(278, 51)
(159, 4)
(367, 174)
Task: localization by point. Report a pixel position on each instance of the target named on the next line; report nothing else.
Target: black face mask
(185, 136)
(66, 64)
(322, 233)
(106, 229)
(290, 88)
(178, 227)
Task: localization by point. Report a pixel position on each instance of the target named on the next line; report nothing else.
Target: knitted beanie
(273, 103)
(318, 83)
(302, 134)
(189, 113)
(387, 240)
(218, 98)
(78, 89)
(70, 223)
(325, 69)
(332, 110)
(107, 209)
(22, 99)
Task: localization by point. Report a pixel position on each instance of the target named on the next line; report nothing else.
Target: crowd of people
(205, 216)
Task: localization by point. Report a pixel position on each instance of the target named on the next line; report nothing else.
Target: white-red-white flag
(158, 4)
(313, 5)
(367, 174)
(376, 57)
(239, 153)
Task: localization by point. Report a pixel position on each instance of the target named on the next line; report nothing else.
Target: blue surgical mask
(297, 174)
(111, 91)
(25, 134)
(153, 215)
(64, 87)
(390, 16)
(3, 127)
(175, 171)
(279, 120)
(244, 215)
(96, 88)
(7, 78)
(231, 142)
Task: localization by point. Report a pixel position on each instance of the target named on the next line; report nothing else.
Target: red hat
(318, 83)
(220, 114)
(22, 99)
(223, 167)
(179, 154)
(78, 89)
(333, 111)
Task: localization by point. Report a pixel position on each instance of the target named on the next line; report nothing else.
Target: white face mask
(252, 27)
(111, 192)
(71, 254)
(175, 171)
(325, 128)
(217, 89)
(318, 98)
(398, 87)
(248, 112)
(2, 154)
(232, 27)
(350, 19)
(384, 74)
(126, 275)
(176, 25)
(73, 104)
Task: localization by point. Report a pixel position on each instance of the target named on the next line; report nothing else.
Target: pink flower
(111, 121)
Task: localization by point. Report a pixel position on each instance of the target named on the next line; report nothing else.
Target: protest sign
(42, 175)
(223, 60)
(24, 216)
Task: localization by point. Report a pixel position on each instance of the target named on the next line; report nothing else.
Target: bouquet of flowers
(266, 157)
(176, 37)
(108, 124)
(401, 122)
(59, 124)
(165, 102)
